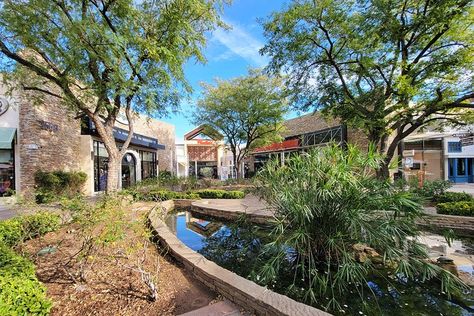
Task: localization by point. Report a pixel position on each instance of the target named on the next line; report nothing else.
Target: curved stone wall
(237, 289)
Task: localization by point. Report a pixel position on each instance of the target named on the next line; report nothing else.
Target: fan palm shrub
(337, 228)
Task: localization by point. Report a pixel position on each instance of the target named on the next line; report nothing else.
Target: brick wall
(49, 139)
(202, 153)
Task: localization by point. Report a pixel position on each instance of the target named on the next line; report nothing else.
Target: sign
(3, 105)
(48, 126)
(409, 162)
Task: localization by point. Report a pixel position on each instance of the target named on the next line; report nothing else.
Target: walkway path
(463, 187)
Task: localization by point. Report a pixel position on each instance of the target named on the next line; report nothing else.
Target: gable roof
(306, 124)
(205, 130)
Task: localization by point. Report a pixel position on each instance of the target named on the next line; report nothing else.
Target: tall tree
(100, 57)
(247, 111)
(388, 67)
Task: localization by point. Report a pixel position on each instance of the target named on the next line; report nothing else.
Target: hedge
(18, 229)
(20, 291)
(51, 185)
(453, 197)
(220, 194)
(163, 195)
(462, 208)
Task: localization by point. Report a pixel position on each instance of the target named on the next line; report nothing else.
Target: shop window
(416, 166)
(149, 164)
(461, 167)
(454, 147)
(7, 172)
(101, 161)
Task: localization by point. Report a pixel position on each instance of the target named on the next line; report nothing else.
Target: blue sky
(229, 53)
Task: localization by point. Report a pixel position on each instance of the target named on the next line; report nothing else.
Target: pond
(239, 247)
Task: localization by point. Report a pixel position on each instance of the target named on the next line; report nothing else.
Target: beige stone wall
(165, 133)
(49, 139)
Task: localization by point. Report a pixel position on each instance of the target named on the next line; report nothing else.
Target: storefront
(7, 161)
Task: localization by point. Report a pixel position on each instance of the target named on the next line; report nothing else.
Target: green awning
(7, 134)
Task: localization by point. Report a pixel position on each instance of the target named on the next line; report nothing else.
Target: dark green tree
(103, 57)
(247, 111)
(387, 67)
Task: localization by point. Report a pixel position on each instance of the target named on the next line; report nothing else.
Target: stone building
(303, 133)
(48, 137)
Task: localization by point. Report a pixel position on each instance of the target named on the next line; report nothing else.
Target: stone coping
(235, 288)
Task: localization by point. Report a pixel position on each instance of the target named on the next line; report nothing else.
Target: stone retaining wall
(226, 215)
(462, 225)
(237, 289)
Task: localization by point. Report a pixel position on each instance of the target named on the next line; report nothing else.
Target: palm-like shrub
(329, 210)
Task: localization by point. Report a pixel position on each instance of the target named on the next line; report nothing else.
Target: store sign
(48, 126)
(409, 162)
(3, 105)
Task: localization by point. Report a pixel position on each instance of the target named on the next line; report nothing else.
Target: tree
(387, 67)
(247, 111)
(101, 57)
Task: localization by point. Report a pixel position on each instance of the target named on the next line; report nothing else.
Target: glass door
(129, 176)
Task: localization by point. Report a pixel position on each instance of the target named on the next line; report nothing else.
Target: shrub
(163, 195)
(453, 197)
(462, 208)
(50, 185)
(432, 189)
(16, 230)
(328, 206)
(22, 295)
(220, 194)
(14, 264)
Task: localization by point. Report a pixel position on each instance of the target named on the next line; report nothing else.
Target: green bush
(16, 230)
(453, 197)
(220, 194)
(164, 195)
(462, 208)
(432, 189)
(51, 185)
(22, 295)
(20, 291)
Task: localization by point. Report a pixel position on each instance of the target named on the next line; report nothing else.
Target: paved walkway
(463, 187)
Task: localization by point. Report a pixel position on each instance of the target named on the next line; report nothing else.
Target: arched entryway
(129, 170)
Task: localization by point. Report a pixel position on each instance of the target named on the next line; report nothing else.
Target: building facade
(204, 156)
(434, 155)
(48, 137)
(303, 133)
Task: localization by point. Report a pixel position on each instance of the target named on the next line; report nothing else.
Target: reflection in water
(240, 247)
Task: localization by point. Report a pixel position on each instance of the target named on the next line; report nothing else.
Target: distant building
(445, 155)
(303, 133)
(48, 137)
(204, 156)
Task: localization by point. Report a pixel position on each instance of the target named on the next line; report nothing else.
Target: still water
(238, 247)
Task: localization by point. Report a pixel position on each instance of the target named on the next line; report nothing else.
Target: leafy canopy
(247, 110)
(380, 65)
(102, 54)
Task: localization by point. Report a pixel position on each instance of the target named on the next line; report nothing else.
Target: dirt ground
(113, 283)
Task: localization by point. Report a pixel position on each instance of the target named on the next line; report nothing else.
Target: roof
(205, 130)
(306, 124)
(7, 134)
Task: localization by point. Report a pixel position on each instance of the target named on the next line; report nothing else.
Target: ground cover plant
(462, 208)
(20, 291)
(453, 197)
(338, 229)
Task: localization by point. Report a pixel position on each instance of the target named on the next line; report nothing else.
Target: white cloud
(241, 43)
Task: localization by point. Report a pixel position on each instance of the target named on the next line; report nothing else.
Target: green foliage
(19, 229)
(386, 67)
(246, 110)
(20, 291)
(328, 206)
(462, 208)
(164, 195)
(52, 185)
(432, 189)
(220, 194)
(453, 197)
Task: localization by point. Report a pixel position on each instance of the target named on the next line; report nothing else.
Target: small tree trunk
(113, 173)
(383, 172)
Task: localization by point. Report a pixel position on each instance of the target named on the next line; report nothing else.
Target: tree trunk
(383, 172)
(113, 173)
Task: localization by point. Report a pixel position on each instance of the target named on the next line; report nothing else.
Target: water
(239, 248)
